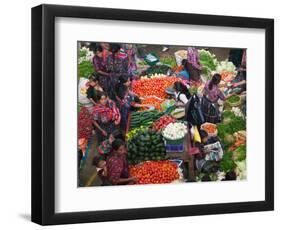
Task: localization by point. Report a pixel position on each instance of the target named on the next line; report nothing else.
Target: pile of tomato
(163, 122)
(153, 86)
(155, 172)
(153, 101)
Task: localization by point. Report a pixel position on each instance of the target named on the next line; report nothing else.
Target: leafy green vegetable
(234, 99)
(208, 61)
(168, 60)
(227, 164)
(239, 154)
(85, 69)
(225, 66)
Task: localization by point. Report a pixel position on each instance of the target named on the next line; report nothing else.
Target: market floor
(88, 173)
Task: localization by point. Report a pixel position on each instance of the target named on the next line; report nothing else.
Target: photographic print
(159, 114)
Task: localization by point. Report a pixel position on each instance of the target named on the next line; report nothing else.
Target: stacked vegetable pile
(163, 122)
(208, 62)
(144, 146)
(158, 172)
(156, 69)
(156, 102)
(175, 131)
(84, 123)
(230, 124)
(85, 66)
(169, 60)
(154, 86)
(133, 132)
(144, 118)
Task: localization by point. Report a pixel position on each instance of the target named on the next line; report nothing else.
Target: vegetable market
(153, 114)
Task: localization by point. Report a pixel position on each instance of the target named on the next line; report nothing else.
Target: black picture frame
(43, 113)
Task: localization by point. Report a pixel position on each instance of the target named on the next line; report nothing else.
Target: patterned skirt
(108, 127)
(210, 111)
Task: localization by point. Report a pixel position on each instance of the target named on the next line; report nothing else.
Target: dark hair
(203, 133)
(117, 143)
(94, 77)
(98, 48)
(184, 62)
(114, 48)
(100, 94)
(215, 80)
(118, 134)
(181, 88)
(121, 88)
(96, 160)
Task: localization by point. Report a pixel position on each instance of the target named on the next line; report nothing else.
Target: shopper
(211, 95)
(106, 116)
(116, 67)
(117, 165)
(127, 100)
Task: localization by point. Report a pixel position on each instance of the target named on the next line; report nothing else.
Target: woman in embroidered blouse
(127, 100)
(117, 165)
(106, 117)
(192, 64)
(211, 95)
(116, 66)
(99, 63)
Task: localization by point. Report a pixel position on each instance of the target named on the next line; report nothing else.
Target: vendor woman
(117, 165)
(106, 116)
(127, 100)
(211, 95)
(182, 93)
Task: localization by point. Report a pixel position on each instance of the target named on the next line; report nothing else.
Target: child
(105, 147)
(101, 170)
(210, 153)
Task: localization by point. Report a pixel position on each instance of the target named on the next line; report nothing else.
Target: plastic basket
(174, 142)
(174, 148)
(149, 62)
(179, 58)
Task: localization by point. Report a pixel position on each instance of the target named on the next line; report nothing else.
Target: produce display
(156, 69)
(233, 99)
(85, 66)
(208, 62)
(155, 172)
(169, 60)
(225, 66)
(239, 154)
(144, 118)
(210, 128)
(178, 113)
(175, 131)
(84, 123)
(154, 86)
(146, 145)
(227, 76)
(131, 133)
(163, 122)
(156, 102)
(230, 124)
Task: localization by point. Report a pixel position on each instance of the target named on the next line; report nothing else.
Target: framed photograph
(144, 114)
